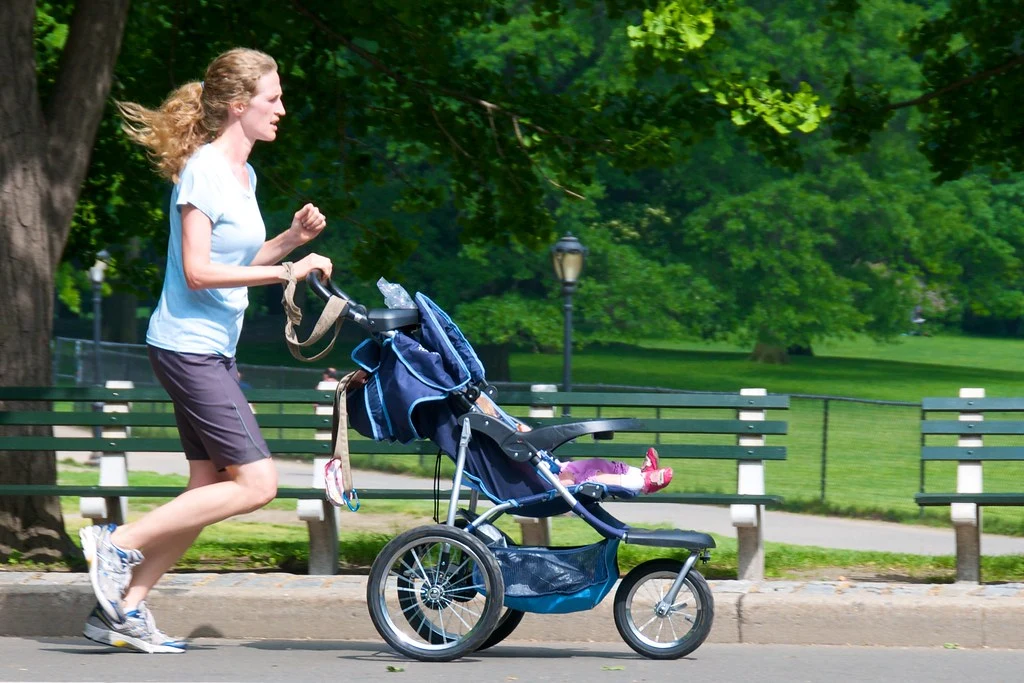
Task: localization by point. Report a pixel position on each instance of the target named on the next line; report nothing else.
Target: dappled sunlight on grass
(871, 376)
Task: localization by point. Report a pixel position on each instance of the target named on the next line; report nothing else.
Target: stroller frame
(452, 569)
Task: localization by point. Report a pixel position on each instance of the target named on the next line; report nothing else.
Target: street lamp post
(567, 257)
(96, 274)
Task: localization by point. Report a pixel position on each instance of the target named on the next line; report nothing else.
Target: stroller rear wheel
(677, 629)
(435, 593)
(510, 618)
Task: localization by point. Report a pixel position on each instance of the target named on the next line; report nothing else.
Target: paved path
(294, 607)
(779, 527)
(63, 659)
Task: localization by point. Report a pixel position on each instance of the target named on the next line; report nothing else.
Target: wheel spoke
(459, 617)
(437, 564)
(647, 623)
(458, 570)
(403, 583)
(419, 565)
(672, 627)
(414, 607)
(440, 618)
(464, 608)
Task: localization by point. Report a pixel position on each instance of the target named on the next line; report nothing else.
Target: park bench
(970, 429)
(113, 412)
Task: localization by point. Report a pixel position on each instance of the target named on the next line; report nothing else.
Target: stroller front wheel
(435, 593)
(673, 631)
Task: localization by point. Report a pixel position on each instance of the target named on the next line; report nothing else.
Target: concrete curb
(291, 607)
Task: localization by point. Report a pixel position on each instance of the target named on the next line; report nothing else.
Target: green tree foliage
(465, 133)
(388, 91)
(847, 243)
(970, 93)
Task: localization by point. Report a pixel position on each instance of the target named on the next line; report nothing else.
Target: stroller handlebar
(373, 320)
(323, 289)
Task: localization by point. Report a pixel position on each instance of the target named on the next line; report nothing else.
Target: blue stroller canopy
(415, 384)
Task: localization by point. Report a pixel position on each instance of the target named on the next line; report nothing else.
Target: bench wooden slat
(973, 405)
(643, 400)
(152, 394)
(150, 419)
(669, 451)
(592, 399)
(1005, 427)
(708, 499)
(979, 498)
(935, 453)
(311, 421)
(168, 445)
(140, 444)
(689, 426)
(172, 491)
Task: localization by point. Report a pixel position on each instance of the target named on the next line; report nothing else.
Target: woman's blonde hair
(193, 114)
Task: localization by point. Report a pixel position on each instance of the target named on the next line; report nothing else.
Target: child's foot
(651, 461)
(655, 480)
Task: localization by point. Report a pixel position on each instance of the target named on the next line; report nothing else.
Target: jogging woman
(200, 139)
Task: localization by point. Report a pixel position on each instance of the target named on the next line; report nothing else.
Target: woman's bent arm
(202, 273)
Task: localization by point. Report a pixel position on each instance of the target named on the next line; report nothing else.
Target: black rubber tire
(506, 624)
(510, 618)
(437, 645)
(703, 606)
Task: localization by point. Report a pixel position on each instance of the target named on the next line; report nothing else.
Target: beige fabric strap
(339, 433)
(332, 314)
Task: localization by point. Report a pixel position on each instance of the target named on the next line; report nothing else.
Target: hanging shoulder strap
(333, 314)
(340, 464)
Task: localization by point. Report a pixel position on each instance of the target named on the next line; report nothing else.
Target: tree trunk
(800, 350)
(43, 161)
(774, 354)
(495, 358)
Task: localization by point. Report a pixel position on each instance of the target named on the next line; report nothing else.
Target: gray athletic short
(214, 419)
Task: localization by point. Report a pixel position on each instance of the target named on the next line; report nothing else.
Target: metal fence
(75, 362)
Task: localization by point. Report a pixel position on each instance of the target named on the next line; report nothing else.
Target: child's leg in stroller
(579, 471)
(615, 473)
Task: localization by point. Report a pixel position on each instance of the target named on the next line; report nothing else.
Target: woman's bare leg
(164, 534)
(250, 487)
(166, 554)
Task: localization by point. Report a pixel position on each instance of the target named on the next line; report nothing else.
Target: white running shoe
(110, 568)
(137, 632)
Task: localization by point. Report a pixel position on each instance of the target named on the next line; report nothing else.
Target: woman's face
(259, 118)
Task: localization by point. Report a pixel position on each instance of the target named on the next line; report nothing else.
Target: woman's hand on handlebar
(312, 262)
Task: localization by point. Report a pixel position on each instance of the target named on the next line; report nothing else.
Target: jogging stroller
(438, 592)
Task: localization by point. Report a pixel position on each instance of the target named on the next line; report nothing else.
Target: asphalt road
(298, 661)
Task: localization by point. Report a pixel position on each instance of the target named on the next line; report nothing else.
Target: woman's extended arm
(307, 223)
(202, 273)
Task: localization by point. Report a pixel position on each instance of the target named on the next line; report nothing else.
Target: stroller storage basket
(558, 580)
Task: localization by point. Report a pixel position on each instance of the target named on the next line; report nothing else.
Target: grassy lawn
(906, 370)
